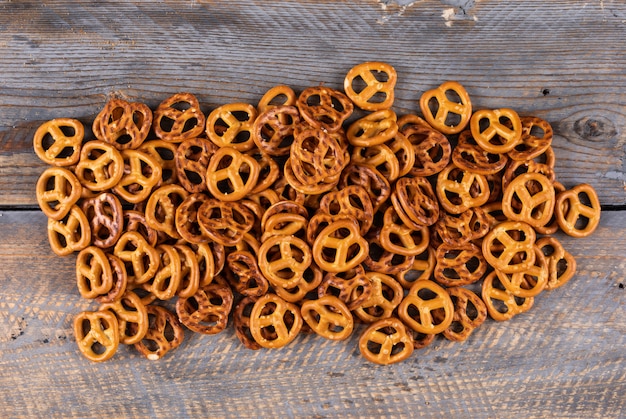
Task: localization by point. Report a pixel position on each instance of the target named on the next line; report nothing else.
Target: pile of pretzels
(319, 212)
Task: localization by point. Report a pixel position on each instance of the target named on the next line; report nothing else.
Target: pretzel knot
(124, 125)
(386, 342)
(497, 130)
(231, 175)
(57, 190)
(231, 125)
(97, 334)
(58, 142)
(447, 108)
(340, 246)
(274, 322)
(329, 317)
(366, 90)
(178, 118)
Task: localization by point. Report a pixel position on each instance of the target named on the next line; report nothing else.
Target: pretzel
(445, 113)
(241, 321)
(189, 271)
(58, 142)
(561, 263)
(283, 260)
(100, 167)
(459, 264)
(161, 208)
(178, 118)
(94, 275)
(311, 187)
(417, 307)
(120, 281)
(468, 155)
(316, 156)
(186, 219)
(385, 296)
(207, 310)
(459, 190)
(458, 229)
(208, 266)
(231, 175)
(273, 129)
(324, 107)
(164, 333)
(578, 210)
(168, 277)
(106, 218)
(269, 172)
(469, 312)
(530, 282)
(386, 341)
(494, 135)
(373, 129)
(224, 222)
(274, 322)
(352, 201)
(553, 225)
(402, 148)
(142, 172)
(70, 234)
(431, 148)
(192, 160)
(136, 221)
(231, 125)
(310, 281)
(340, 246)
(515, 168)
(398, 237)
(329, 317)
(370, 179)
(141, 259)
(97, 334)
(536, 139)
(132, 317)
(366, 90)
(501, 303)
(422, 267)
(415, 202)
(244, 274)
(123, 124)
(508, 247)
(380, 259)
(530, 198)
(285, 224)
(279, 95)
(352, 287)
(380, 157)
(164, 153)
(57, 190)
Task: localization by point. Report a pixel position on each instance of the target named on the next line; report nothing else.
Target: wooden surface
(563, 61)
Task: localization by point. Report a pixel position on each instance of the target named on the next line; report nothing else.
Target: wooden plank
(563, 358)
(560, 60)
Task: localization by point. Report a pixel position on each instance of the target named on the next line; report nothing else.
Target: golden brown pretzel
(231, 175)
(469, 313)
(445, 113)
(415, 202)
(97, 334)
(316, 156)
(241, 320)
(386, 341)
(207, 310)
(168, 277)
(340, 246)
(136, 221)
(311, 279)
(398, 237)
(458, 229)
(353, 201)
(373, 129)
(501, 303)
(370, 179)
(58, 142)
(509, 248)
(366, 90)
(244, 274)
(142, 173)
(178, 118)
(273, 129)
(496, 136)
(123, 124)
(186, 218)
(106, 218)
(283, 260)
(402, 148)
(129, 310)
(530, 197)
(536, 139)
(231, 125)
(100, 167)
(164, 153)
(324, 107)
(274, 322)
(352, 287)
(561, 263)
(385, 296)
(161, 208)
(422, 267)
(468, 155)
(379, 156)
(459, 264)
(530, 282)
(164, 333)
(57, 190)
(189, 270)
(94, 276)
(458, 189)
(224, 222)
(578, 210)
(279, 95)
(329, 317)
(431, 148)
(141, 259)
(417, 307)
(192, 160)
(70, 234)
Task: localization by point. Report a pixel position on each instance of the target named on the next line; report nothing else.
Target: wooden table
(561, 60)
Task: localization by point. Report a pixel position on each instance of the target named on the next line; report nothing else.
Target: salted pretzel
(283, 260)
(398, 237)
(141, 260)
(561, 263)
(458, 229)
(57, 190)
(373, 129)
(380, 157)
(492, 134)
(385, 296)
(279, 95)
(207, 310)
(136, 221)
(58, 142)
(468, 155)
(178, 118)
(530, 197)
(164, 153)
(231, 175)
(241, 321)
(164, 334)
(101, 166)
(340, 246)
(189, 270)
(459, 190)
(274, 322)
(517, 167)
(310, 281)
(415, 202)
(370, 85)
(422, 267)
(132, 317)
(329, 317)
(536, 139)
(445, 112)
(311, 186)
(69, 234)
(381, 260)
(231, 125)
(509, 246)
(106, 218)
(224, 222)
(186, 218)
(168, 277)
(386, 341)
(269, 171)
(402, 148)
(94, 276)
(370, 179)
(273, 129)
(501, 303)
(97, 334)
(161, 208)
(431, 148)
(192, 160)
(469, 313)
(123, 124)
(244, 274)
(353, 201)
(530, 282)
(417, 307)
(352, 287)
(578, 210)
(459, 264)
(316, 156)
(285, 224)
(324, 107)
(142, 173)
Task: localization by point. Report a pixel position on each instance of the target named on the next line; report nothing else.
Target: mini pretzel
(274, 322)
(208, 264)
(269, 171)
(373, 129)
(431, 148)
(279, 95)
(136, 221)
(324, 107)
(515, 168)
(340, 246)
(178, 118)
(57, 190)
(501, 303)
(120, 280)
(561, 263)
(380, 259)
(106, 218)
(386, 342)
(94, 276)
(189, 270)
(273, 129)
(141, 173)
(536, 139)
(164, 333)
(164, 153)
(246, 277)
(161, 208)
(377, 92)
(385, 296)
(352, 201)
(224, 222)
(458, 229)
(207, 310)
(231, 125)
(444, 113)
(58, 142)
(422, 267)
(417, 307)
(192, 160)
(168, 277)
(496, 136)
(122, 124)
(459, 264)
(379, 156)
(469, 313)
(370, 179)
(415, 202)
(398, 237)
(509, 246)
(530, 198)
(231, 175)
(132, 317)
(312, 186)
(100, 167)
(285, 224)
(352, 287)
(459, 190)
(311, 279)
(329, 317)
(578, 210)
(97, 334)
(468, 155)
(528, 283)
(241, 320)
(316, 156)
(283, 260)
(70, 234)
(141, 259)
(402, 148)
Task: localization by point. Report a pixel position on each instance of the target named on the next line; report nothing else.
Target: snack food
(292, 217)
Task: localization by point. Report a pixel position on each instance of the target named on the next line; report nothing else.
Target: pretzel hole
(166, 124)
(452, 119)
(123, 139)
(561, 267)
(193, 177)
(225, 186)
(456, 327)
(433, 105)
(451, 273)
